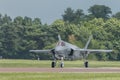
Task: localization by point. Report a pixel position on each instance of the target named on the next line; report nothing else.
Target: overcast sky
(50, 10)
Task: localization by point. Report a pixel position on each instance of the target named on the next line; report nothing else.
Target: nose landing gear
(62, 63)
(53, 64)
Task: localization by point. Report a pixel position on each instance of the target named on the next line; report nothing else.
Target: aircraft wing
(40, 51)
(93, 50)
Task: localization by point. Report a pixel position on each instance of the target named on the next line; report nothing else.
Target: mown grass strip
(47, 63)
(59, 76)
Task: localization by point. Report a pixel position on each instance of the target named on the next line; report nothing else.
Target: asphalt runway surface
(70, 70)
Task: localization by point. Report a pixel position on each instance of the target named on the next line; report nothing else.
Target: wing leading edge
(40, 51)
(93, 50)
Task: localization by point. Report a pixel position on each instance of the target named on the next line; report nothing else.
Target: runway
(69, 70)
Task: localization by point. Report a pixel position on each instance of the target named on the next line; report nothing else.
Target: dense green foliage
(100, 11)
(22, 34)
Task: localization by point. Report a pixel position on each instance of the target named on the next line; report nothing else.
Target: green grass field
(59, 76)
(47, 64)
(56, 76)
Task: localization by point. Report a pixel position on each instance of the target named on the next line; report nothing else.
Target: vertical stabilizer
(86, 46)
(59, 38)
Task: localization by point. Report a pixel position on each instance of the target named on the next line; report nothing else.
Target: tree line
(21, 34)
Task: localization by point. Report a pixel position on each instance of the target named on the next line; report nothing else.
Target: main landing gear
(85, 59)
(53, 64)
(86, 64)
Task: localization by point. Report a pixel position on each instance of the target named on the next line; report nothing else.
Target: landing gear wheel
(53, 64)
(62, 64)
(86, 64)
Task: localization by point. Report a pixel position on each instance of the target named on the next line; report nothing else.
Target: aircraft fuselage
(62, 50)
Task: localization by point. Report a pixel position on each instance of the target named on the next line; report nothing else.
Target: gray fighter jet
(64, 50)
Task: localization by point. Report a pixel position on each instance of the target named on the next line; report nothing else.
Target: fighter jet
(64, 50)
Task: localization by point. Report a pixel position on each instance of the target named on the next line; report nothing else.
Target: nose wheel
(53, 64)
(62, 63)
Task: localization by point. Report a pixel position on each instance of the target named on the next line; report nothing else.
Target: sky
(50, 10)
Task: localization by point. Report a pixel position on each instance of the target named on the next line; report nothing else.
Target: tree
(0, 19)
(112, 26)
(18, 20)
(37, 21)
(6, 19)
(68, 15)
(79, 16)
(72, 16)
(100, 11)
(27, 21)
(117, 15)
(8, 40)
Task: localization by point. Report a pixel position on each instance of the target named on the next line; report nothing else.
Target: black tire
(53, 64)
(86, 64)
(61, 65)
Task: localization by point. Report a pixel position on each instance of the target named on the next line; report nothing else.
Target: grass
(23, 63)
(47, 64)
(59, 76)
